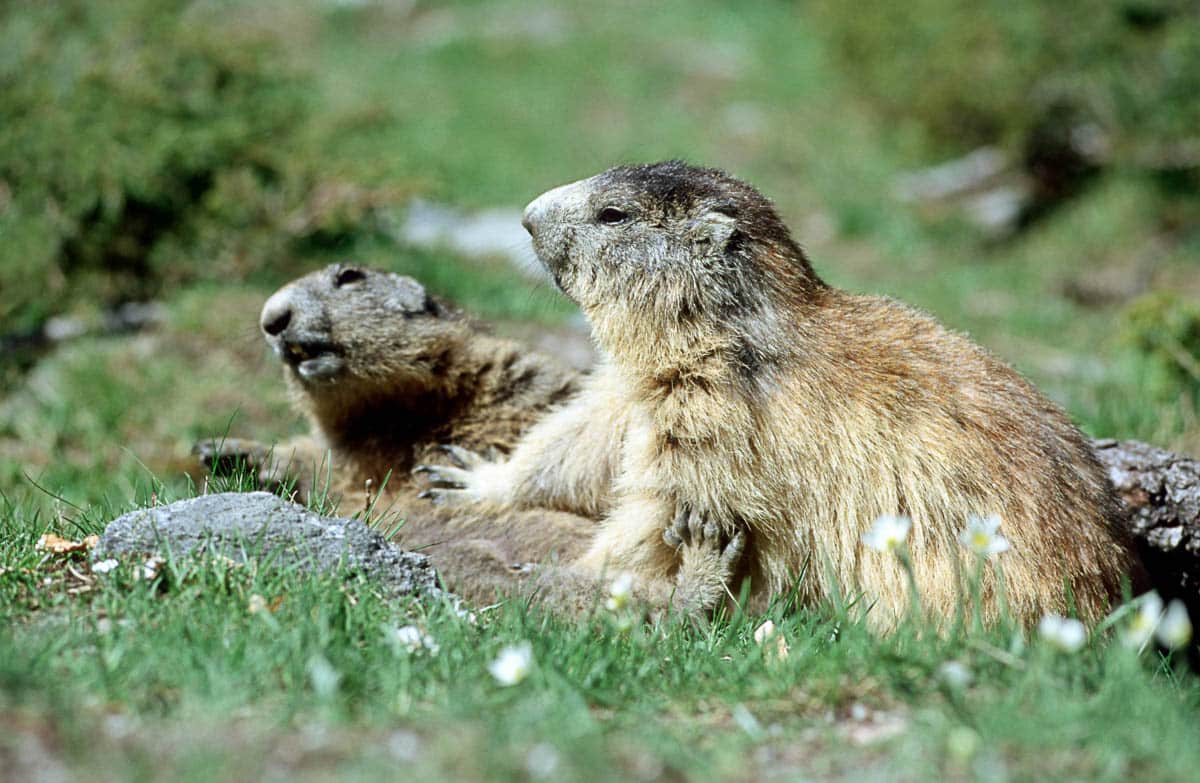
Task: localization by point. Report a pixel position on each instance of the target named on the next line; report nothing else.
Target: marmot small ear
(714, 227)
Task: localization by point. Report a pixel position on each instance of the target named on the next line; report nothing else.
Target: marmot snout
(319, 325)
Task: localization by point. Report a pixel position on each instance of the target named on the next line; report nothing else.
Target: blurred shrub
(970, 72)
(135, 136)
(1165, 328)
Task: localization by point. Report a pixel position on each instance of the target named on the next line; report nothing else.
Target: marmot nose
(276, 314)
(527, 219)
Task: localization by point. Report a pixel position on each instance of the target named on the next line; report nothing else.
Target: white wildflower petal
(150, 568)
(105, 566)
(1175, 628)
(619, 592)
(466, 615)
(256, 604)
(1142, 625)
(622, 585)
(1064, 633)
(887, 533)
(512, 665)
(955, 674)
(414, 640)
(323, 676)
(410, 637)
(775, 645)
(982, 536)
(542, 761)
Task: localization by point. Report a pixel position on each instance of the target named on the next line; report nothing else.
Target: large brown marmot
(385, 373)
(766, 401)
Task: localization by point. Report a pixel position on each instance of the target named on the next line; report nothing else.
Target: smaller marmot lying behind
(384, 372)
(767, 402)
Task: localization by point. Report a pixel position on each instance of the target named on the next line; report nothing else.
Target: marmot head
(653, 248)
(347, 330)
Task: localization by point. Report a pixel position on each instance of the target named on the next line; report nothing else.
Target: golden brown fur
(385, 374)
(762, 399)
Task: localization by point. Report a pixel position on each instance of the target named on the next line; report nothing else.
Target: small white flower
(982, 536)
(888, 533)
(1141, 628)
(323, 676)
(620, 592)
(512, 665)
(256, 604)
(105, 566)
(1064, 633)
(411, 638)
(150, 568)
(955, 674)
(1175, 627)
(542, 761)
(774, 644)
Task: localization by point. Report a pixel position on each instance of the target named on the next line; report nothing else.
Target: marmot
(766, 401)
(385, 373)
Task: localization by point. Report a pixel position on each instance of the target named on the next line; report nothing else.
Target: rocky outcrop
(263, 528)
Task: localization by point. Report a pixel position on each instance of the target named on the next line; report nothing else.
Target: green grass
(181, 678)
(488, 104)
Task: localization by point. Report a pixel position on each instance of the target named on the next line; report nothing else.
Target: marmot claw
(691, 528)
(443, 476)
(463, 458)
(224, 454)
(440, 496)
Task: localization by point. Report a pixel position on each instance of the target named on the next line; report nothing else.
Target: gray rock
(953, 178)
(261, 527)
(489, 233)
(1161, 492)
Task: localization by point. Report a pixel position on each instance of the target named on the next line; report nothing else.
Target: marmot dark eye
(611, 215)
(347, 276)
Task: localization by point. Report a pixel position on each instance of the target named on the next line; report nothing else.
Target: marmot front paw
(707, 562)
(452, 485)
(225, 455)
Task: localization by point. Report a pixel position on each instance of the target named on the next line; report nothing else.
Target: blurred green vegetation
(963, 74)
(131, 129)
(1165, 328)
(204, 152)
(215, 672)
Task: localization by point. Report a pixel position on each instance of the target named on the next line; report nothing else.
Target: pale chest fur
(805, 472)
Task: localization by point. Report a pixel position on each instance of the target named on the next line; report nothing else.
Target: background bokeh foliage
(201, 153)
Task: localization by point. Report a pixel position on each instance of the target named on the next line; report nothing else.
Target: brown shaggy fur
(385, 373)
(768, 402)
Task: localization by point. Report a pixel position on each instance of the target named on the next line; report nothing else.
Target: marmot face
(346, 325)
(671, 262)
